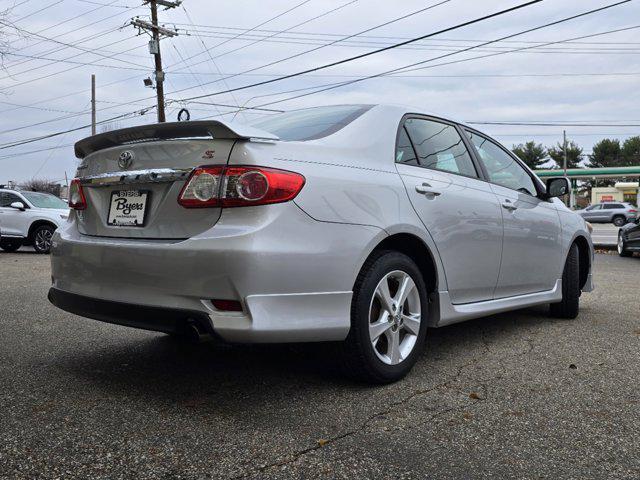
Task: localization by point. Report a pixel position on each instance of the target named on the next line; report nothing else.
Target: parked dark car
(629, 239)
(617, 213)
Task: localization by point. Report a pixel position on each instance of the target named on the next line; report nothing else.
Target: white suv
(29, 218)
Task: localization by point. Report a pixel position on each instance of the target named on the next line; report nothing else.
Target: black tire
(41, 238)
(622, 246)
(360, 360)
(10, 246)
(619, 220)
(570, 304)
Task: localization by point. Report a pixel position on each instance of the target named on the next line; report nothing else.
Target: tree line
(608, 152)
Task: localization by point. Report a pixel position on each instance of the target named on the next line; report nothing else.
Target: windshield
(311, 123)
(44, 200)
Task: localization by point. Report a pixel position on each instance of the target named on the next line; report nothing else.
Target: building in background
(620, 192)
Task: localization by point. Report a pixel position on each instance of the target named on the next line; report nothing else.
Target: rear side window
(311, 123)
(611, 206)
(404, 150)
(437, 146)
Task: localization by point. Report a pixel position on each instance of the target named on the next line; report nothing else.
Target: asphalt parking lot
(605, 234)
(516, 395)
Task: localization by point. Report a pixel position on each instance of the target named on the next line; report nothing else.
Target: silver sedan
(357, 224)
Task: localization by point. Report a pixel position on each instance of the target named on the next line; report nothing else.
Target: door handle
(426, 189)
(509, 206)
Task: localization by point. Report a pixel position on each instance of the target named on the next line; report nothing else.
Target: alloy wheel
(42, 239)
(394, 317)
(620, 243)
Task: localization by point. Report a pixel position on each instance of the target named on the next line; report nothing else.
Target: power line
(306, 52)
(69, 45)
(108, 4)
(468, 75)
(324, 14)
(30, 152)
(407, 68)
(359, 43)
(56, 134)
(213, 62)
(253, 28)
(25, 82)
(73, 62)
(383, 37)
(38, 11)
(74, 30)
(380, 50)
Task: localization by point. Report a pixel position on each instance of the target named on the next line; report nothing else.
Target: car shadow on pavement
(162, 369)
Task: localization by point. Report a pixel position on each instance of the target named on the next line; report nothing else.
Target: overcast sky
(58, 44)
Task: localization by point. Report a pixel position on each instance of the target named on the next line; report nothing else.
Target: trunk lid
(154, 162)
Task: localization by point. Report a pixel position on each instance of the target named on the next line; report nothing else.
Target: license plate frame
(115, 218)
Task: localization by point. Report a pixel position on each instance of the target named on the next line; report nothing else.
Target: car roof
(415, 109)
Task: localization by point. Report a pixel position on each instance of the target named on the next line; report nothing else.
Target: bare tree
(41, 185)
(5, 24)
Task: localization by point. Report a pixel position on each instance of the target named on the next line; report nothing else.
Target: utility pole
(571, 198)
(93, 104)
(157, 33)
(564, 151)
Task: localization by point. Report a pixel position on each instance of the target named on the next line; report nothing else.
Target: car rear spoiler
(168, 131)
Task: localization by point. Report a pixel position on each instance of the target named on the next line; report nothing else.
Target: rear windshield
(311, 123)
(44, 200)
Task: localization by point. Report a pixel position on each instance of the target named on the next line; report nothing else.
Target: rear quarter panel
(350, 179)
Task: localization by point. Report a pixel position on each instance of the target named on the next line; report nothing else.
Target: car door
(459, 210)
(633, 236)
(591, 213)
(532, 248)
(11, 219)
(603, 214)
(609, 210)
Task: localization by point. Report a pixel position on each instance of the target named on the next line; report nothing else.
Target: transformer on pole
(157, 33)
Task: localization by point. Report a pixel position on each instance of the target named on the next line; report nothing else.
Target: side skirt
(443, 312)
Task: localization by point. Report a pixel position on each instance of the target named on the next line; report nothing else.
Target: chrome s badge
(125, 159)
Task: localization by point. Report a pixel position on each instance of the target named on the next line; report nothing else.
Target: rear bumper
(130, 315)
(318, 317)
(292, 275)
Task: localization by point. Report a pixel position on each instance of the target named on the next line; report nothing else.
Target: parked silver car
(618, 213)
(357, 224)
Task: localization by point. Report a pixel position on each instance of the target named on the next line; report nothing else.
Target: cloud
(65, 87)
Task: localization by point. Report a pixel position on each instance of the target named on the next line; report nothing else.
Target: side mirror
(18, 206)
(557, 187)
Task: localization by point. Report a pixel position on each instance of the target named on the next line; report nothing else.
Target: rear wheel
(388, 319)
(42, 238)
(10, 245)
(619, 220)
(622, 246)
(570, 304)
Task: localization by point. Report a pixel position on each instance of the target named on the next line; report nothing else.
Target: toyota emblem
(125, 159)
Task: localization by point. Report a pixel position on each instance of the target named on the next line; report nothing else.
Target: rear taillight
(77, 200)
(221, 186)
(633, 211)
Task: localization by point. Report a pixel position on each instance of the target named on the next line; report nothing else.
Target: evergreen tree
(534, 155)
(574, 155)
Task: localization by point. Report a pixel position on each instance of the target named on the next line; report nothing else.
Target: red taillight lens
(202, 188)
(219, 186)
(77, 200)
(633, 211)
